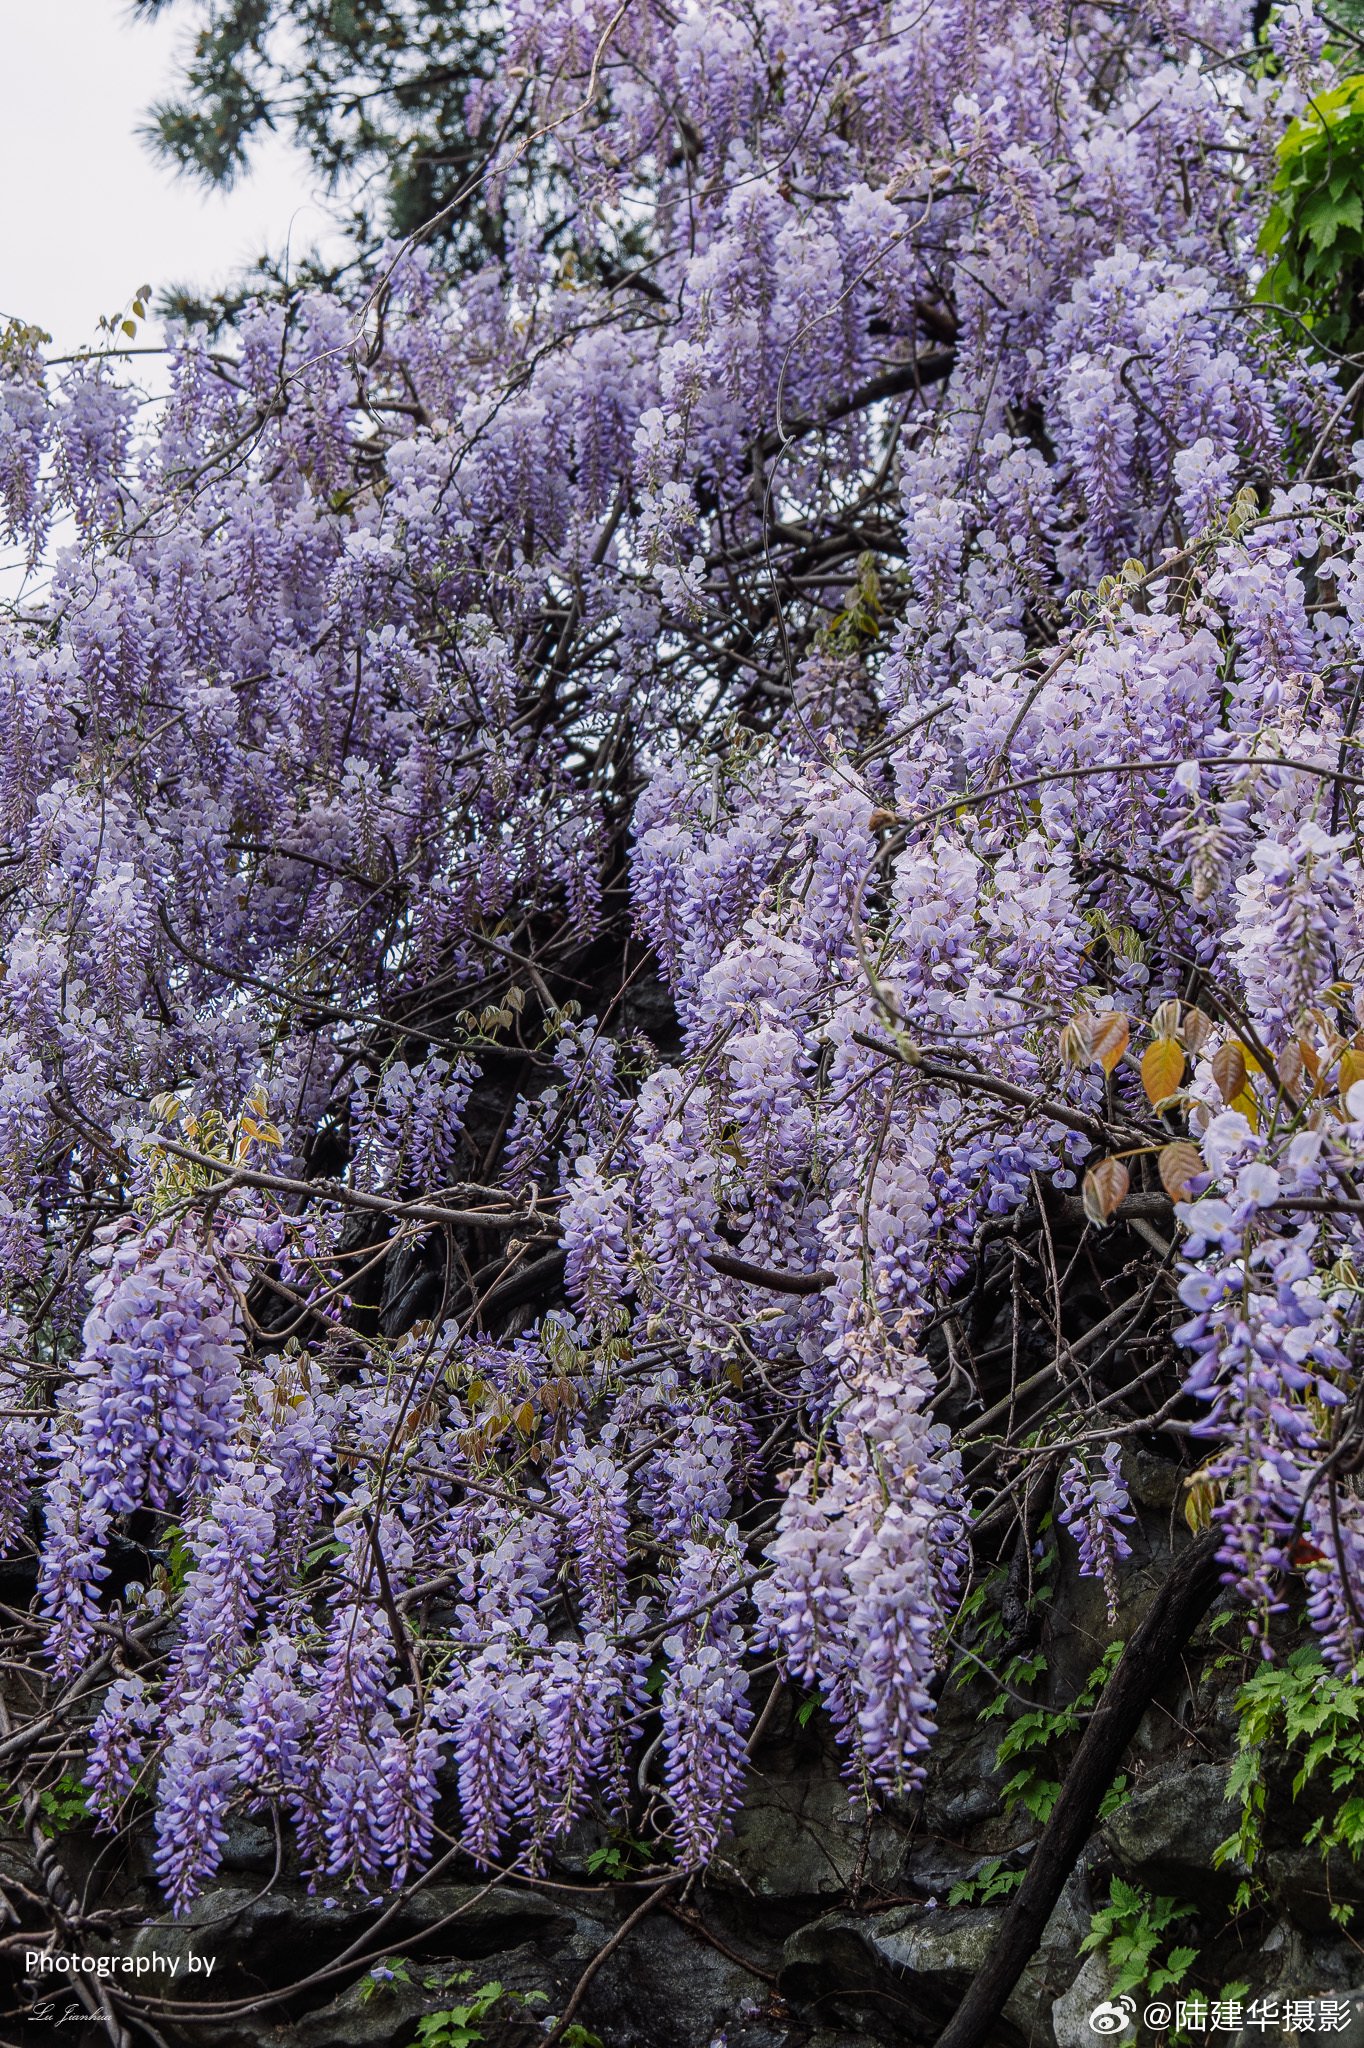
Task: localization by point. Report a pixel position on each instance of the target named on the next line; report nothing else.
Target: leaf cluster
(457, 2026)
(1034, 1736)
(1314, 232)
(1302, 1709)
(62, 1805)
(1131, 1930)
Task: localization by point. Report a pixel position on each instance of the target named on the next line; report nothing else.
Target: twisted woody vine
(582, 838)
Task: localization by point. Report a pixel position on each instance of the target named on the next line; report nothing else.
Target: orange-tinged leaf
(1105, 1186)
(1290, 1068)
(1177, 1164)
(1311, 1058)
(525, 1418)
(1351, 1069)
(1162, 1068)
(1195, 1028)
(1229, 1068)
(1108, 1040)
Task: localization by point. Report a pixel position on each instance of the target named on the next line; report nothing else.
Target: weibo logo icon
(1112, 2015)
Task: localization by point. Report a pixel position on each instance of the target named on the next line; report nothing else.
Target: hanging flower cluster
(581, 840)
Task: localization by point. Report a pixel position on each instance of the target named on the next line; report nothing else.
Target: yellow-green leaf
(1250, 1109)
(1201, 1496)
(1162, 1068)
(1351, 1069)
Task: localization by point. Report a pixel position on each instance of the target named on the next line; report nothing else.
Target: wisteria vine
(585, 842)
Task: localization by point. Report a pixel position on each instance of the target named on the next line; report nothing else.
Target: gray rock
(901, 1973)
(1152, 1482)
(668, 1987)
(388, 2019)
(249, 1846)
(1070, 2012)
(803, 1837)
(933, 1867)
(1165, 1834)
(1351, 2035)
(1305, 1888)
(964, 1781)
(1292, 1959)
(258, 1944)
(942, 1945)
(385, 2016)
(866, 1973)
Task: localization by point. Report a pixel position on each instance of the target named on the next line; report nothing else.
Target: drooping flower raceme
(590, 840)
(1094, 1507)
(154, 1401)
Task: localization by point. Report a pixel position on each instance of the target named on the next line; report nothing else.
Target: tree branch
(1185, 1597)
(893, 384)
(765, 1276)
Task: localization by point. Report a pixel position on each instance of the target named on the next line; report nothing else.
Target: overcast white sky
(89, 214)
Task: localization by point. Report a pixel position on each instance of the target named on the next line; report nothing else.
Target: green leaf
(1325, 218)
